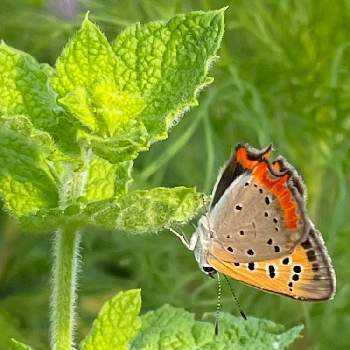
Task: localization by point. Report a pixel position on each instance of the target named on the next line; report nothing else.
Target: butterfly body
(257, 230)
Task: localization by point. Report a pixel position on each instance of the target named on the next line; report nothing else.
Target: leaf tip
(86, 20)
(223, 9)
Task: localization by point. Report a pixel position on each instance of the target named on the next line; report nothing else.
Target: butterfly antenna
(235, 299)
(218, 304)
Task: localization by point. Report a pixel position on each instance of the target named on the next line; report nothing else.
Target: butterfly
(257, 230)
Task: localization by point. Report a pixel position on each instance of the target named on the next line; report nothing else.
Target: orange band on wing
(278, 186)
(242, 156)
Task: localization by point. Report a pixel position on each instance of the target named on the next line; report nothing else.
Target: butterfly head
(203, 237)
(209, 270)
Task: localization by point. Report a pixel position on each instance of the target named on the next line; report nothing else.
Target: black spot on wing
(311, 255)
(285, 261)
(251, 266)
(250, 252)
(306, 244)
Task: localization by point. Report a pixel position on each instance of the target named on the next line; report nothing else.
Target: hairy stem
(66, 251)
(64, 288)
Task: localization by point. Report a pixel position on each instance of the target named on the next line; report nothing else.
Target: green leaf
(108, 117)
(167, 64)
(16, 345)
(116, 122)
(136, 212)
(24, 88)
(26, 181)
(255, 334)
(103, 109)
(123, 147)
(147, 210)
(106, 180)
(172, 328)
(87, 59)
(127, 98)
(117, 323)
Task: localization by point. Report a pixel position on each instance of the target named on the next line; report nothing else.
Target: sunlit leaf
(167, 64)
(116, 324)
(172, 328)
(26, 180)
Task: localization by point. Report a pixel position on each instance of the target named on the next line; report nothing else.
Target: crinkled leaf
(174, 329)
(24, 89)
(123, 147)
(95, 85)
(167, 63)
(87, 59)
(26, 181)
(103, 109)
(148, 210)
(16, 345)
(106, 180)
(127, 98)
(135, 212)
(255, 334)
(116, 324)
(85, 82)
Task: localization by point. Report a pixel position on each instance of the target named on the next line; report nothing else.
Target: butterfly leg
(190, 245)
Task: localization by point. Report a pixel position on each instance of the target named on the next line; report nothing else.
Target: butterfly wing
(257, 211)
(305, 274)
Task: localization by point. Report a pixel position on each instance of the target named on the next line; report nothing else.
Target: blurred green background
(283, 77)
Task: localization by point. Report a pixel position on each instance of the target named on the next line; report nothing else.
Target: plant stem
(64, 288)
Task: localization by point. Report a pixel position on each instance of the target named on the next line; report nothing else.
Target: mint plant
(68, 139)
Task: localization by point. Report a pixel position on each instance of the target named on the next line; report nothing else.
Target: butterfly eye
(208, 270)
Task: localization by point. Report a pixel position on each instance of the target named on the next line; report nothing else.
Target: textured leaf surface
(26, 182)
(106, 180)
(16, 345)
(167, 63)
(174, 329)
(117, 323)
(122, 147)
(254, 334)
(148, 210)
(85, 83)
(171, 328)
(117, 101)
(24, 89)
(127, 97)
(87, 58)
(135, 212)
